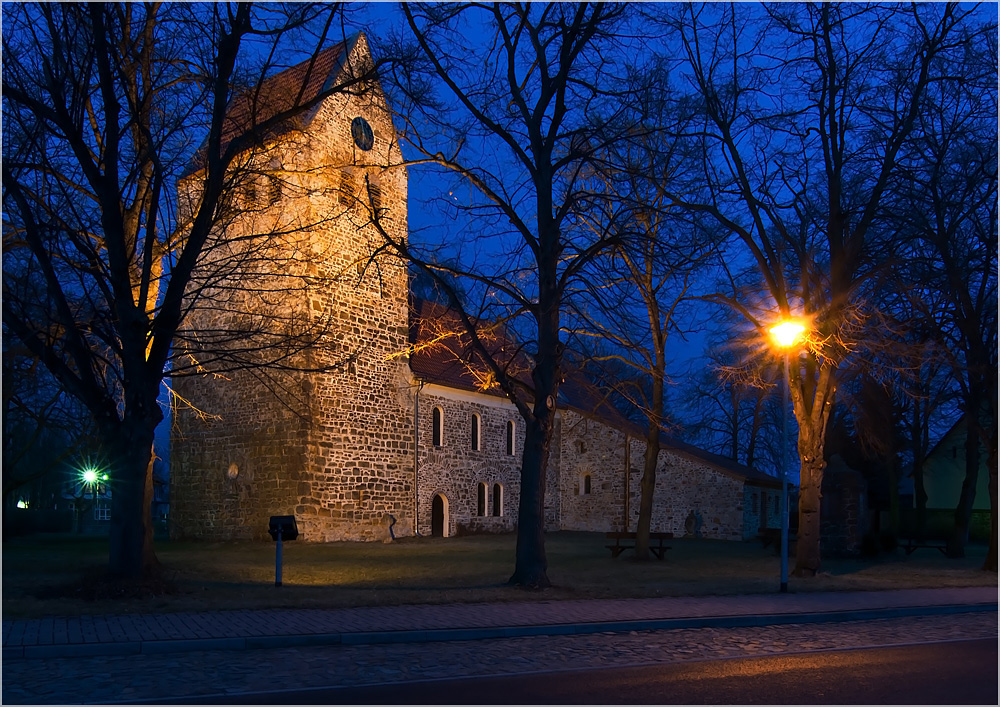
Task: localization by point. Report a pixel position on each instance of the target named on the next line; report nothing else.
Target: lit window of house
(437, 427)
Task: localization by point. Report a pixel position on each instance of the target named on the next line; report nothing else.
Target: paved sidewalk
(133, 634)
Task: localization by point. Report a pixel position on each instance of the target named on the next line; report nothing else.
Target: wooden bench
(910, 545)
(626, 541)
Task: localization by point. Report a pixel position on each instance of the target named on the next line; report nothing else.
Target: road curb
(158, 647)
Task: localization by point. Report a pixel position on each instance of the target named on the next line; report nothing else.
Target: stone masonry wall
(332, 448)
(684, 484)
(595, 450)
(454, 470)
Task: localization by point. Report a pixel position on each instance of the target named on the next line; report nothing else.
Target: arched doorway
(439, 516)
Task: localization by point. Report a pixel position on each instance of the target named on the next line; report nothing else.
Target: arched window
(586, 484)
(510, 438)
(497, 500)
(475, 429)
(437, 427)
(481, 500)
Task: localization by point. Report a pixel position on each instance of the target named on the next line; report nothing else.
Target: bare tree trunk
(131, 470)
(646, 489)
(892, 468)
(807, 550)
(530, 562)
(963, 511)
(990, 564)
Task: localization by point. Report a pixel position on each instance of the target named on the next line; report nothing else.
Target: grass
(47, 575)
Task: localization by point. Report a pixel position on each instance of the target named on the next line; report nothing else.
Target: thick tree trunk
(920, 492)
(892, 467)
(807, 551)
(963, 511)
(530, 563)
(130, 547)
(990, 564)
(646, 489)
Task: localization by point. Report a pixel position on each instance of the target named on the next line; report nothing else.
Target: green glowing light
(90, 476)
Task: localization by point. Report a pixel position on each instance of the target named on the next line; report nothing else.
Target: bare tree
(516, 119)
(947, 203)
(807, 108)
(643, 282)
(104, 105)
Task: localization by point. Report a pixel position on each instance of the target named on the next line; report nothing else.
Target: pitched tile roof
(443, 354)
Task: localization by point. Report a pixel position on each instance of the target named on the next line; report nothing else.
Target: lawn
(56, 575)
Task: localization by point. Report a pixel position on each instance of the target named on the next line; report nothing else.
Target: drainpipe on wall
(416, 458)
(628, 475)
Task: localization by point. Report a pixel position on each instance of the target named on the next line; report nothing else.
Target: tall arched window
(481, 500)
(510, 438)
(586, 484)
(437, 427)
(497, 500)
(475, 429)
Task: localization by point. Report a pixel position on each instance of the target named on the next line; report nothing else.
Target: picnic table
(626, 541)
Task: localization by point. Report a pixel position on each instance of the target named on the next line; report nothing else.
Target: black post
(277, 560)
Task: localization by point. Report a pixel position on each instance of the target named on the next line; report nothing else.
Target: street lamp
(785, 335)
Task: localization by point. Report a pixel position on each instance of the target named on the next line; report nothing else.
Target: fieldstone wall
(595, 450)
(685, 485)
(454, 469)
(334, 448)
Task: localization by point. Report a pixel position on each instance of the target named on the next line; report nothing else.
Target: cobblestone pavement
(135, 633)
(136, 678)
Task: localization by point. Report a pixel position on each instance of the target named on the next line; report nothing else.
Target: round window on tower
(362, 133)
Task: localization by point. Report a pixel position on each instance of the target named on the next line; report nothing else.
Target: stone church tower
(326, 432)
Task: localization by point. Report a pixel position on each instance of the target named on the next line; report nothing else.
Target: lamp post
(785, 335)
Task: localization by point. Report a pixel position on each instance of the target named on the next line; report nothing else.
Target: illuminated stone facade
(337, 449)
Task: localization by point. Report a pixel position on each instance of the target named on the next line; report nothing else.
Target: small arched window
(586, 484)
(580, 446)
(437, 427)
(497, 500)
(481, 499)
(510, 438)
(476, 427)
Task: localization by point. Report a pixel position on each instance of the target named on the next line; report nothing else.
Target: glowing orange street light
(785, 335)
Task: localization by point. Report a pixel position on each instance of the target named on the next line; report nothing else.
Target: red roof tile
(284, 91)
(443, 352)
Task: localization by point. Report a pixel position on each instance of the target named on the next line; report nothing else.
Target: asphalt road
(963, 672)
